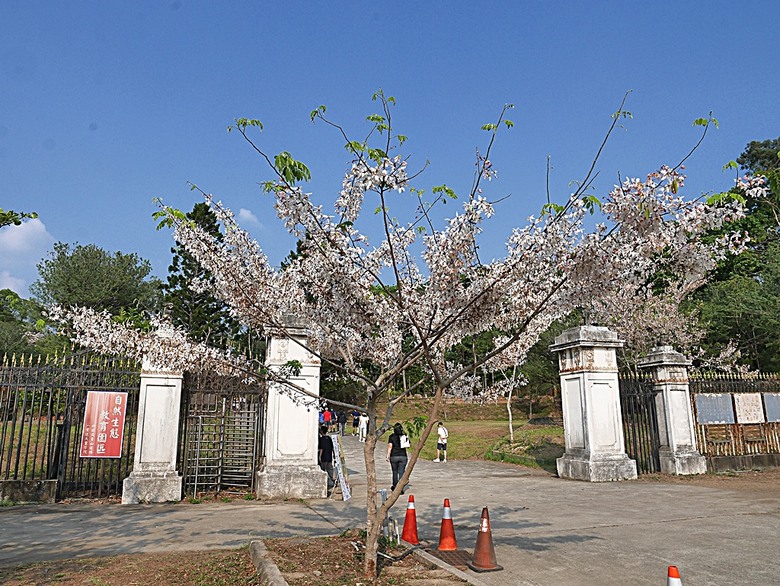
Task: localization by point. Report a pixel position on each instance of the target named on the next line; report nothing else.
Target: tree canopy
(88, 276)
(187, 296)
(741, 304)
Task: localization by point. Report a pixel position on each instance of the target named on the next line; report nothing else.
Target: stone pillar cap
(663, 355)
(597, 336)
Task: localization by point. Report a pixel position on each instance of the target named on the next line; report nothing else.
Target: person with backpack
(396, 453)
(441, 446)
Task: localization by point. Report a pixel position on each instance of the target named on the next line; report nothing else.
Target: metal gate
(640, 422)
(42, 404)
(222, 434)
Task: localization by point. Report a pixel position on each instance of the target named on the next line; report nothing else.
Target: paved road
(546, 531)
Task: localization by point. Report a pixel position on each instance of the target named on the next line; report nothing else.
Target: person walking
(441, 445)
(342, 419)
(355, 421)
(334, 424)
(325, 456)
(362, 427)
(396, 453)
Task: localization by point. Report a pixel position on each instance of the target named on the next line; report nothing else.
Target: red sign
(104, 424)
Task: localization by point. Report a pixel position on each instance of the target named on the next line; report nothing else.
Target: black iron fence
(737, 414)
(640, 421)
(42, 403)
(42, 410)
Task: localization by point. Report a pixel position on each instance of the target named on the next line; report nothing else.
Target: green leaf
(706, 121)
(552, 209)
(488, 127)
(592, 203)
(376, 118)
(377, 155)
(729, 165)
(724, 197)
(319, 111)
(242, 123)
(509, 123)
(445, 190)
(356, 146)
(293, 171)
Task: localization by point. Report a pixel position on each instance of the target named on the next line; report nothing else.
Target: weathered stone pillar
(593, 426)
(291, 469)
(154, 478)
(678, 453)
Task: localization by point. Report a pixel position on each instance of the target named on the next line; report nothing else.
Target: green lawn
(534, 445)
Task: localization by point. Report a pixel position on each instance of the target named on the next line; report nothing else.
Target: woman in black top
(396, 455)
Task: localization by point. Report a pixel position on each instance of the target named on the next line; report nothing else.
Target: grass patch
(535, 446)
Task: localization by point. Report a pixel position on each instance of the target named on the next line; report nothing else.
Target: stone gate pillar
(290, 469)
(678, 452)
(593, 426)
(154, 478)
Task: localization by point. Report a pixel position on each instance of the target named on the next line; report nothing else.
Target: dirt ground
(339, 560)
(221, 568)
(303, 562)
(748, 482)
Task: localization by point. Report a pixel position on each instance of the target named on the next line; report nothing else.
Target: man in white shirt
(362, 427)
(441, 446)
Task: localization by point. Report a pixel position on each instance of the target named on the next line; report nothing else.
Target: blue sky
(105, 105)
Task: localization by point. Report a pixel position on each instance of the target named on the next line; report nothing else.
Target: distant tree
(761, 156)
(89, 276)
(23, 329)
(741, 305)
(745, 310)
(8, 217)
(187, 295)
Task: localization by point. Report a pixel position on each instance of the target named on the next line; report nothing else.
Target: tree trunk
(509, 412)
(375, 515)
(373, 521)
(509, 405)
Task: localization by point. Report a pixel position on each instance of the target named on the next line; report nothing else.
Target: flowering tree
(375, 309)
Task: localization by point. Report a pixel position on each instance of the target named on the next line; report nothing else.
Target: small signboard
(750, 408)
(772, 402)
(714, 408)
(341, 465)
(104, 424)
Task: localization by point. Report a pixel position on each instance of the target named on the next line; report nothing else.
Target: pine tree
(200, 313)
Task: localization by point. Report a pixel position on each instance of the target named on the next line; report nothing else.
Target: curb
(267, 570)
(431, 559)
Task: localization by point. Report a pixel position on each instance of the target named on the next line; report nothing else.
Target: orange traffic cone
(484, 558)
(673, 577)
(447, 540)
(409, 534)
